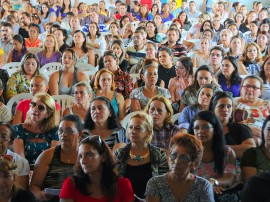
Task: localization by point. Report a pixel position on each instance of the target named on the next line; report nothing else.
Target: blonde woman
(39, 131)
(139, 160)
(51, 52)
(251, 60)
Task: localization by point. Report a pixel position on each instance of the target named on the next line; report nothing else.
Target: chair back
(64, 101)
(34, 50)
(125, 120)
(50, 66)
(85, 67)
(12, 67)
(16, 99)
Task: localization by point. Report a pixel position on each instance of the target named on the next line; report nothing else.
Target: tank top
(113, 102)
(63, 90)
(58, 171)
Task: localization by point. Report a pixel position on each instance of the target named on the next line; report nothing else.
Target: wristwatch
(214, 180)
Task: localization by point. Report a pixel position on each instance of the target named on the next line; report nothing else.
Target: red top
(147, 2)
(24, 106)
(124, 192)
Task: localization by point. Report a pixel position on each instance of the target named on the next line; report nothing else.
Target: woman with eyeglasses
(94, 177)
(105, 86)
(82, 92)
(180, 184)
(19, 82)
(218, 160)
(204, 95)
(23, 168)
(62, 81)
(101, 120)
(203, 75)
(249, 109)
(256, 160)
(55, 164)
(10, 190)
(228, 78)
(141, 95)
(39, 131)
(140, 160)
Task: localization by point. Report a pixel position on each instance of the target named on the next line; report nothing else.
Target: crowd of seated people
(170, 100)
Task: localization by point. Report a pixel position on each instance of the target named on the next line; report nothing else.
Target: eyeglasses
(203, 127)
(222, 106)
(4, 138)
(68, 131)
(41, 108)
(182, 157)
(251, 87)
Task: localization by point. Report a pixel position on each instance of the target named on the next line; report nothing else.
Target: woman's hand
(218, 189)
(44, 196)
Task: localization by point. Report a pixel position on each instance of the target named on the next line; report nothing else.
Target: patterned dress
(33, 149)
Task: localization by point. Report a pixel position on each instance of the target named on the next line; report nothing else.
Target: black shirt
(166, 74)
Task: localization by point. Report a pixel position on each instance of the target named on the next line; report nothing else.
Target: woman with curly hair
(94, 177)
(251, 60)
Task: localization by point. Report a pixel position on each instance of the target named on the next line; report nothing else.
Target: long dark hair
(216, 97)
(47, 5)
(195, 84)
(262, 72)
(235, 78)
(112, 120)
(263, 127)
(64, 7)
(109, 178)
(84, 48)
(98, 32)
(187, 63)
(218, 146)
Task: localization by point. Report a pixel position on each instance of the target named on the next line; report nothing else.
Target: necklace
(138, 158)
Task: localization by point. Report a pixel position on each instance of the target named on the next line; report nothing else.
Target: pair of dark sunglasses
(41, 108)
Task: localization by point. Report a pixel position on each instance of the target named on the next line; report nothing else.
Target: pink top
(124, 192)
(24, 106)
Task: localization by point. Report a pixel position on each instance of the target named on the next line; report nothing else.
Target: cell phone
(54, 192)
